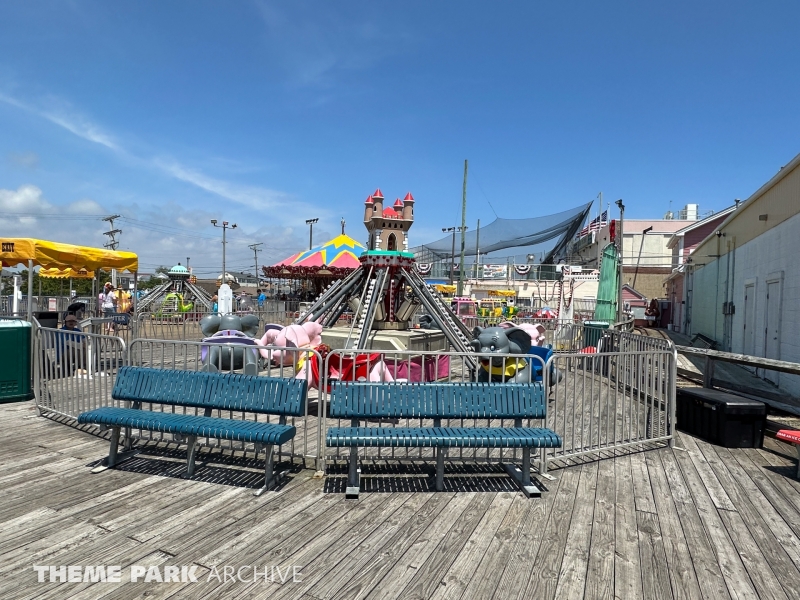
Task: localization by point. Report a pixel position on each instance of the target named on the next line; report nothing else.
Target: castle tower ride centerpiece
(386, 290)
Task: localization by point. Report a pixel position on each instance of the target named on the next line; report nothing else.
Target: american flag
(595, 224)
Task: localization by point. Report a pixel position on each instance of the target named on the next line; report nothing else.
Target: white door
(772, 338)
(749, 347)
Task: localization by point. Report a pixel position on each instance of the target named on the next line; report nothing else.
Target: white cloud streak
(254, 197)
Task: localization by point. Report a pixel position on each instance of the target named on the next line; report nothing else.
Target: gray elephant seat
(238, 333)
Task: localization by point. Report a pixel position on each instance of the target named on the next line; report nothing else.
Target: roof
(390, 213)
(179, 269)
(637, 226)
(744, 207)
(695, 224)
(341, 251)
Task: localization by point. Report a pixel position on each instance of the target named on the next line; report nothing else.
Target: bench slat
(438, 400)
(450, 437)
(224, 391)
(225, 429)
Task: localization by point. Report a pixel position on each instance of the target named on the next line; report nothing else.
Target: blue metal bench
(437, 401)
(208, 391)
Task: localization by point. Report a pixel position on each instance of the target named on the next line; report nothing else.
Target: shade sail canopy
(512, 235)
(55, 255)
(340, 252)
(66, 273)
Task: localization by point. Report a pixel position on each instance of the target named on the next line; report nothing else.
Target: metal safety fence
(621, 397)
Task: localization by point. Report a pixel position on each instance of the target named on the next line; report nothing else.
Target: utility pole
(112, 242)
(255, 248)
(463, 231)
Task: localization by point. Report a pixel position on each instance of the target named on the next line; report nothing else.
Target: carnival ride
(171, 297)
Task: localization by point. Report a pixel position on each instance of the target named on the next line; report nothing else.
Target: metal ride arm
(331, 296)
(333, 304)
(374, 296)
(442, 316)
(145, 303)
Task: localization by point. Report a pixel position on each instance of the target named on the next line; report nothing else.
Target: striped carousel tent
(340, 252)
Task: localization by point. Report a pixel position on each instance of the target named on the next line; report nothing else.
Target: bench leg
(112, 452)
(440, 469)
(523, 476)
(190, 454)
(114, 456)
(268, 469)
(353, 476)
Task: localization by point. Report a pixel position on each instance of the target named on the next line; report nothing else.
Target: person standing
(108, 301)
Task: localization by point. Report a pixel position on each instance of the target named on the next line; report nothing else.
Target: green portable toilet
(593, 331)
(15, 360)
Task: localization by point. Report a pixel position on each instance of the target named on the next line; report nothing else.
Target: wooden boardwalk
(696, 521)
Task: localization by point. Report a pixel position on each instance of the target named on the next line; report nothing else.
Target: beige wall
(649, 280)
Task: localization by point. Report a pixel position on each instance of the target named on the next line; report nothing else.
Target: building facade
(742, 283)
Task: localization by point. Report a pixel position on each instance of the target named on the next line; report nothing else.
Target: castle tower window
(392, 243)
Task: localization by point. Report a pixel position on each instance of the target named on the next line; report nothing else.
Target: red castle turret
(388, 228)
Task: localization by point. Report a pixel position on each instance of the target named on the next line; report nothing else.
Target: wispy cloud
(254, 197)
(69, 120)
(251, 196)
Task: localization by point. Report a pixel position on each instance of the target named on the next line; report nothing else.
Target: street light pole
(310, 223)
(621, 207)
(224, 227)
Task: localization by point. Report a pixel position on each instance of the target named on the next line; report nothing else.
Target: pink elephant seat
(417, 370)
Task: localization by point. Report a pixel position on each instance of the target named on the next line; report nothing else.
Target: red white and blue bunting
(424, 268)
(522, 269)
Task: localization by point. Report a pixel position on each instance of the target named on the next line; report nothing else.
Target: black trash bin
(47, 318)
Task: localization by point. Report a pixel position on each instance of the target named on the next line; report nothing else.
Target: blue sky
(270, 113)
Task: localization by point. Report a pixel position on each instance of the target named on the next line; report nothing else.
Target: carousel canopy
(340, 252)
(64, 256)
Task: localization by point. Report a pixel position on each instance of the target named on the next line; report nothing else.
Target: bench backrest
(468, 400)
(225, 391)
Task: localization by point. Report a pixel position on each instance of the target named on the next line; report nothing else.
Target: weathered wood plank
(544, 574)
(655, 579)
(462, 569)
(704, 561)
(431, 570)
(627, 570)
(642, 491)
(679, 561)
(600, 572)
(572, 577)
(440, 513)
(381, 538)
(392, 582)
(754, 539)
(714, 488)
(773, 521)
(736, 578)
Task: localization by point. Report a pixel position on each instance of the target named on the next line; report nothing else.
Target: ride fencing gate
(620, 399)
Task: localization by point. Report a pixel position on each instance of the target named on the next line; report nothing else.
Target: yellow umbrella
(14, 251)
